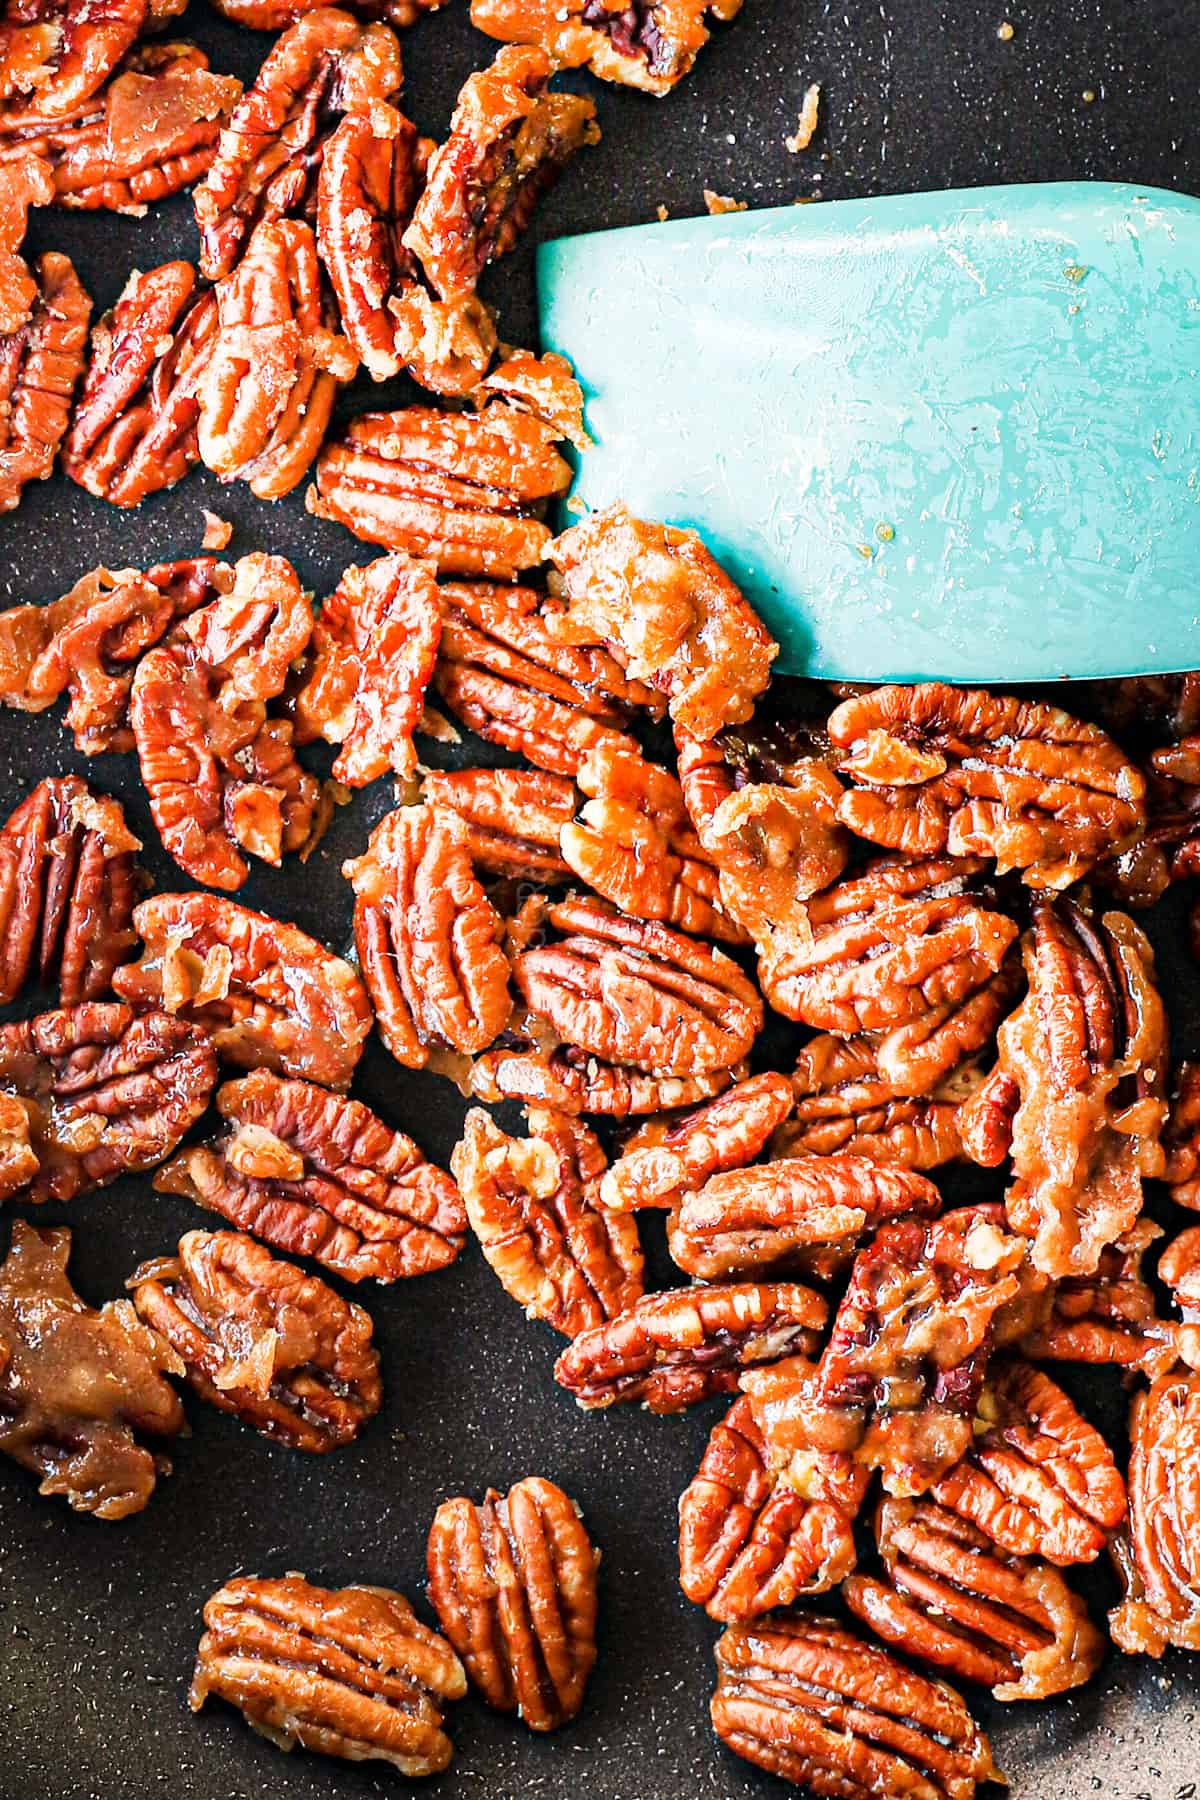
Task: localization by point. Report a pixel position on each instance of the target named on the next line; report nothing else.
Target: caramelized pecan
(1181, 1138)
(512, 817)
(40, 362)
(350, 1672)
(668, 1155)
(1179, 1269)
(1159, 1557)
(275, 15)
(56, 53)
(571, 1081)
(1110, 1316)
(25, 181)
(844, 1102)
(79, 1388)
(269, 995)
(513, 1583)
(649, 44)
(261, 1339)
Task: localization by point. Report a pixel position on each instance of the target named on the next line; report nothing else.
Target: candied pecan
(1110, 1316)
(950, 1597)
(806, 1700)
(512, 817)
(275, 15)
(513, 1583)
(1158, 1554)
(68, 883)
(571, 1081)
(374, 645)
(805, 1214)
(936, 768)
(532, 1204)
(632, 991)
(76, 1385)
(429, 939)
(1179, 1269)
(351, 1672)
(669, 613)
(467, 490)
(509, 139)
(319, 1175)
(261, 1339)
(268, 994)
(667, 1155)
(669, 1350)
(542, 385)
(746, 1544)
(1038, 1480)
(25, 181)
(40, 362)
(134, 428)
(105, 1094)
(843, 1101)
(1181, 1138)
(266, 165)
(55, 53)
(649, 44)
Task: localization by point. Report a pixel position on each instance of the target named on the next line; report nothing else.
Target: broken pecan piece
(844, 1102)
(512, 817)
(1159, 1555)
(950, 1597)
(25, 182)
(672, 1349)
(350, 1672)
(1181, 1138)
(532, 1204)
(668, 1155)
(571, 1081)
(808, 1701)
(318, 1175)
(40, 362)
(261, 1339)
(513, 1583)
(1111, 1316)
(269, 995)
(650, 44)
(79, 1388)
(56, 53)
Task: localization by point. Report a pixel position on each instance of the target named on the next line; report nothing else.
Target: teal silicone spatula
(950, 434)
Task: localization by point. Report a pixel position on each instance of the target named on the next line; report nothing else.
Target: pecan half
(668, 1155)
(69, 880)
(1158, 1557)
(104, 1094)
(55, 53)
(571, 1081)
(746, 1544)
(669, 613)
(269, 995)
(318, 1175)
(632, 991)
(276, 15)
(76, 1385)
(509, 139)
(1181, 1138)
(650, 44)
(512, 817)
(1111, 1316)
(40, 362)
(806, 1700)
(429, 939)
(25, 182)
(672, 1349)
(950, 1597)
(844, 1102)
(1179, 1269)
(513, 1583)
(533, 1206)
(261, 1339)
(936, 768)
(350, 1672)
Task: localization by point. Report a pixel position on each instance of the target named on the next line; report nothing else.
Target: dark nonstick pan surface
(99, 1622)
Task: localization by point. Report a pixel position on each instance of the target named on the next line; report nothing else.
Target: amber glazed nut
(650, 46)
(40, 363)
(1110, 1317)
(1181, 1138)
(1158, 1558)
(56, 53)
(843, 1102)
(669, 1155)
(261, 1339)
(350, 1672)
(512, 817)
(571, 1081)
(513, 1583)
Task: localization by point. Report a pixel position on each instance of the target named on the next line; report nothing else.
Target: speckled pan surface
(98, 1623)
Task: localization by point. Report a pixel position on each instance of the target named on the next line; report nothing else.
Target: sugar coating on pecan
(1111, 1316)
(509, 138)
(349, 1672)
(672, 1349)
(533, 1205)
(843, 1102)
(935, 768)
(748, 1544)
(318, 1175)
(1159, 1553)
(668, 612)
(651, 44)
(949, 1596)
(40, 362)
(1181, 1137)
(668, 1155)
(633, 991)
(804, 1699)
(259, 1338)
(572, 1081)
(513, 817)
(79, 1388)
(268, 994)
(56, 53)
(513, 1583)
(428, 937)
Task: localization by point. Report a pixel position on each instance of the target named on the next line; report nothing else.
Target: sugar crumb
(806, 125)
(722, 203)
(217, 531)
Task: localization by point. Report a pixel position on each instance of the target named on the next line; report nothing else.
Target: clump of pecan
(937, 769)
(77, 1385)
(668, 1155)
(844, 1102)
(532, 1204)
(261, 1339)
(1181, 1138)
(267, 993)
(1111, 1316)
(572, 1081)
(318, 1175)
(429, 939)
(950, 1597)
(41, 359)
(748, 1544)
(69, 880)
(651, 44)
(350, 1672)
(668, 612)
(1157, 1556)
(808, 1701)
(672, 1349)
(513, 817)
(56, 53)
(513, 1583)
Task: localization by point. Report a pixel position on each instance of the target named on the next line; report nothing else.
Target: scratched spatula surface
(950, 434)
